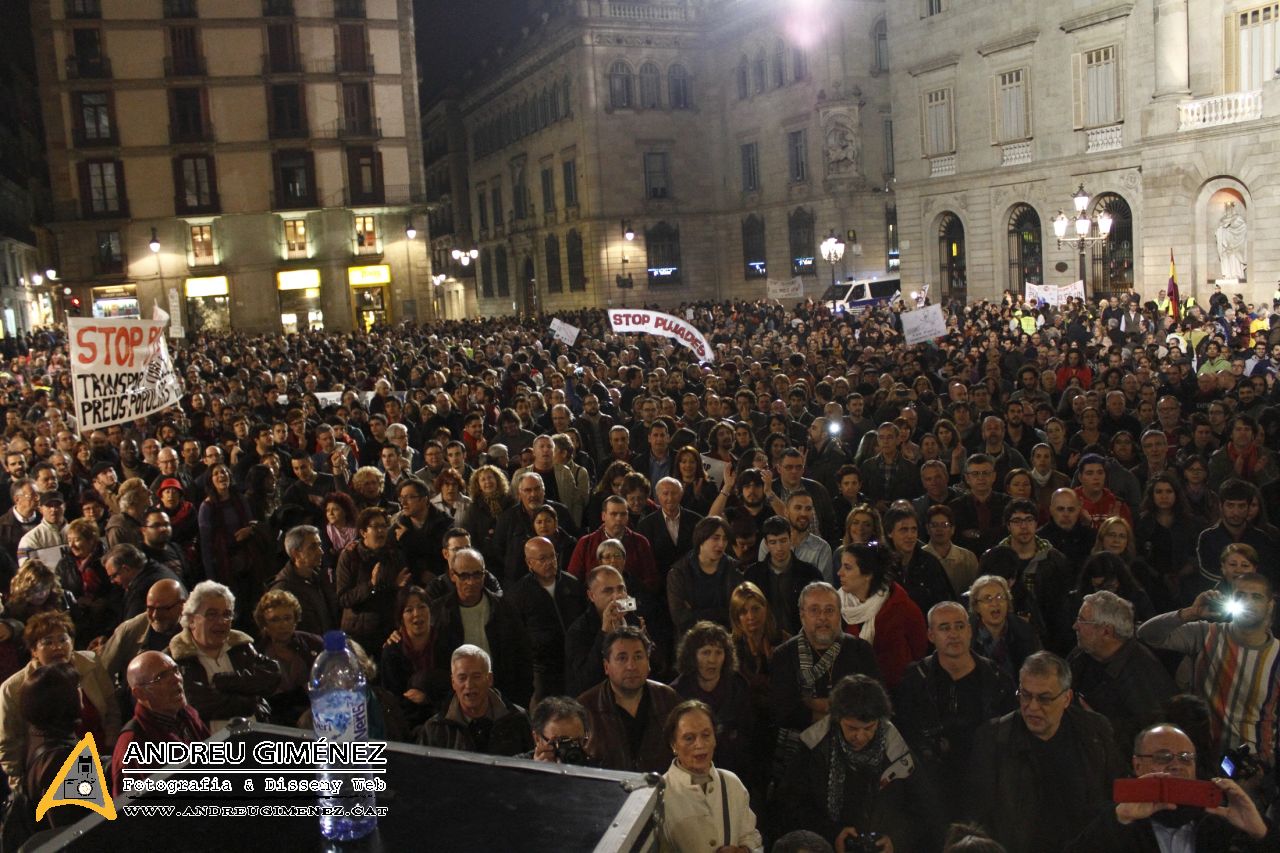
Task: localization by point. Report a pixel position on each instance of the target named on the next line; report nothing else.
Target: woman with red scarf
(1243, 457)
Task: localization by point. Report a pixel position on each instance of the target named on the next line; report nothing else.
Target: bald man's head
(540, 557)
(156, 683)
(164, 605)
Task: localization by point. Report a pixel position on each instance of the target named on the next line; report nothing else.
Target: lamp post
(1089, 229)
(154, 246)
(623, 279)
(411, 234)
(832, 249)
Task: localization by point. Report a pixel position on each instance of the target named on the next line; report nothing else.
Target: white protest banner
(120, 369)
(923, 324)
(780, 289)
(563, 331)
(1075, 290)
(1047, 292)
(636, 321)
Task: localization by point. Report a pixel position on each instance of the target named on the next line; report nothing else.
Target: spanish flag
(1175, 307)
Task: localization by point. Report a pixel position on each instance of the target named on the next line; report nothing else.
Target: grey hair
(297, 537)
(466, 650)
(135, 499)
(365, 472)
(613, 545)
(816, 586)
(471, 553)
(397, 430)
(988, 580)
(1045, 664)
(195, 601)
(941, 605)
(1112, 610)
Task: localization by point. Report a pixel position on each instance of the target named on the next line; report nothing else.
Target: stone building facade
(246, 163)
(727, 137)
(1166, 111)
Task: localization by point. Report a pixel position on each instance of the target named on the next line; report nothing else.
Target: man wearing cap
(48, 533)
(105, 480)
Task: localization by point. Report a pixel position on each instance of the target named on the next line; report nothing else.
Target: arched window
(1026, 253)
(486, 274)
(551, 245)
(757, 72)
(1112, 259)
(800, 232)
(678, 88)
(951, 257)
(620, 94)
(662, 247)
(500, 270)
(779, 66)
(753, 262)
(744, 85)
(577, 270)
(650, 80)
(881, 37)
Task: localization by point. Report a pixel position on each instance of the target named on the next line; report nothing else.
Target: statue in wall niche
(1232, 236)
(843, 147)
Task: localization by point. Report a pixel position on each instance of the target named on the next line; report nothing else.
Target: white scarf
(862, 613)
(1040, 479)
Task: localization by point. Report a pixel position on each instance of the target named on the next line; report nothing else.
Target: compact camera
(570, 750)
(627, 605)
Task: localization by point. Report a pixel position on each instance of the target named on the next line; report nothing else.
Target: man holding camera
(1235, 660)
(1165, 751)
(560, 732)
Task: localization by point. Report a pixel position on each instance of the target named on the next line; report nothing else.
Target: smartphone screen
(1228, 767)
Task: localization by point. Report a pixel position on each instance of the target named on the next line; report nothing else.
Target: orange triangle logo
(80, 782)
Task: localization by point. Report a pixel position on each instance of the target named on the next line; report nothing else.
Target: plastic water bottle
(339, 713)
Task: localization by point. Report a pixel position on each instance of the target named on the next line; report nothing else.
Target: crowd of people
(838, 590)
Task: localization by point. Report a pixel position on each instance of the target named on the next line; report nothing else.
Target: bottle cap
(335, 641)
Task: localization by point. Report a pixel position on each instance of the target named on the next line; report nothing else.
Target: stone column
(1172, 49)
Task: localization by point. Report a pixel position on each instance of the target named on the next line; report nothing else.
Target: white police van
(853, 296)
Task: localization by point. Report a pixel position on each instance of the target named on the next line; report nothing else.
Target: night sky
(453, 34)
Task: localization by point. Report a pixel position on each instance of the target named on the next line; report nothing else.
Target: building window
(110, 257)
(799, 63)
(188, 120)
(887, 128)
(753, 262)
(195, 185)
(548, 190)
(495, 197)
(1025, 266)
(84, 9)
(295, 238)
(657, 180)
(353, 56)
(357, 110)
(295, 179)
(93, 114)
(893, 257)
(287, 116)
(202, 245)
(678, 88)
(662, 247)
(500, 270)
(1256, 45)
(800, 234)
(1009, 99)
(87, 59)
(577, 267)
(650, 80)
(797, 156)
(750, 154)
(364, 175)
(102, 188)
(486, 274)
(482, 210)
(570, 174)
(758, 72)
(184, 52)
(366, 234)
(282, 49)
(744, 79)
(519, 191)
(932, 7)
(555, 280)
(620, 85)
(779, 66)
(881, 36)
(938, 138)
(1097, 83)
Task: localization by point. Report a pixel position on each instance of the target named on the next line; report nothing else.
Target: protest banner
(635, 321)
(1075, 290)
(792, 288)
(1046, 292)
(923, 324)
(564, 332)
(120, 369)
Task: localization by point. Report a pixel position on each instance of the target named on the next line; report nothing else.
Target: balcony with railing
(83, 9)
(277, 8)
(348, 8)
(88, 67)
(181, 133)
(108, 265)
(281, 64)
(1106, 138)
(184, 66)
(1219, 110)
(351, 127)
(184, 205)
(647, 12)
(180, 8)
(80, 138)
(361, 63)
(293, 200)
(940, 167)
(1015, 154)
(278, 129)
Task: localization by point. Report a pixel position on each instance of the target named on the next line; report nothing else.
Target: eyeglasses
(1023, 519)
(468, 577)
(215, 615)
(156, 608)
(1164, 756)
(942, 525)
(1041, 699)
(992, 599)
(169, 673)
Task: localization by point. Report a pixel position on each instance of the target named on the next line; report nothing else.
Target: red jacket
(639, 563)
(901, 638)
(1103, 508)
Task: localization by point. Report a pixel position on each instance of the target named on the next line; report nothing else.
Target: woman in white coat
(703, 808)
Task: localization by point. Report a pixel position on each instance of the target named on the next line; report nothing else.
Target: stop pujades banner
(120, 369)
(635, 321)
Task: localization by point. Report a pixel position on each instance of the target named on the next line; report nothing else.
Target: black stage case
(437, 800)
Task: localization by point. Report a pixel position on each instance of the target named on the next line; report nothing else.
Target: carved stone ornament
(842, 141)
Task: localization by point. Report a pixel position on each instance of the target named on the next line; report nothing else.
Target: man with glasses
(418, 529)
(471, 614)
(1042, 577)
(158, 545)
(1234, 659)
(547, 601)
(960, 564)
(304, 577)
(1113, 673)
(1054, 760)
(161, 712)
(150, 630)
(1164, 750)
(978, 512)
